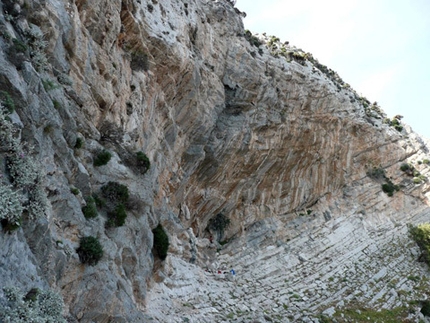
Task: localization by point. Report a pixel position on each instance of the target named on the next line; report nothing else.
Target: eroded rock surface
(264, 135)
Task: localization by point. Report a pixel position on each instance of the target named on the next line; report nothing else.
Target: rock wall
(264, 135)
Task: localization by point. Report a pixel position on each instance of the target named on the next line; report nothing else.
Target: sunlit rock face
(264, 135)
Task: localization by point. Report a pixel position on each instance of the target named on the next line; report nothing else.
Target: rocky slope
(233, 124)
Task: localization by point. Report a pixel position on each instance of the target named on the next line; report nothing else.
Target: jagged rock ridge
(264, 134)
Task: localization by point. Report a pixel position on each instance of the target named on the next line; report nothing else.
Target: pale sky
(380, 47)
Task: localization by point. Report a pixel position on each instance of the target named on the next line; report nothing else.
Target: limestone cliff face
(265, 135)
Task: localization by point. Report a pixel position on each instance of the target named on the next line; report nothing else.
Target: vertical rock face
(265, 136)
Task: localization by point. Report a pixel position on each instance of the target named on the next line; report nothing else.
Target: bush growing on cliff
(90, 210)
(90, 250)
(143, 161)
(253, 40)
(102, 158)
(390, 188)
(36, 306)
(25, 173)
(219, 223)
(117, 196)
(421, 235)
(117, 216)
(115, 192)
(11, 208)
(161, 242)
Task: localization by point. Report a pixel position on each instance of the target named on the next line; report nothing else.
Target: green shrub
(90, 210)
(36, 306)
(421, 235)
(49, 85)
(405, 167)
(161, 242)
(115, 192)
(219, 223)
(79, 143)
(425, 309)
(142, 160)
(417, 180)
(99, 201)
(390, 188)
(57, 105)
(117, 216)
(74, 191)
(102, 158)
(11, 208)
(419, 162)
(253, 40)
(426, 161)
(90, 250)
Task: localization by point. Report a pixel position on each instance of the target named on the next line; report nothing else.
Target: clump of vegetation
(143, 160)
(362, 314)
(253, 40)
(421, 235)
(219, 223)
(74, 191)
(11, 210)
(411, 171)
(406, 167)
(117, 216)
(7, 101)
(25, 173)
(425, 309)
(102, 158)
(161, 242)
(390, 188)
(115, 192)
(90, 250)
(379, 174)
(426, 161)
(49, 85)
(90, 210)
(79, 143)
(395, 122)
(56, 104)
(36, 306)
(116, 196)
(100, 202)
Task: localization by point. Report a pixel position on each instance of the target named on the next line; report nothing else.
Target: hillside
(120, 116)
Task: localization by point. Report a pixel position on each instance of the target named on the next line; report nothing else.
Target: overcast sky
(380, 47)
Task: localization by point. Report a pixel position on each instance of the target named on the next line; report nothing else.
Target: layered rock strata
(232, 124)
